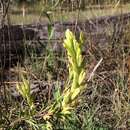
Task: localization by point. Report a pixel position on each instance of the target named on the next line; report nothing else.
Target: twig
(95, 68)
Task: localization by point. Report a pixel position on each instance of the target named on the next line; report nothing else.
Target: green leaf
(81, 38)
(50, 31)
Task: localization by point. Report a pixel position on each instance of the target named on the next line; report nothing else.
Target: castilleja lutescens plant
(67, 101)
(64, 103)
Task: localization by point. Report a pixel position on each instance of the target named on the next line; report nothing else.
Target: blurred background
(32, 11)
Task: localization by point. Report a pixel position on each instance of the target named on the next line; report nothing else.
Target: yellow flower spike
(76, 70)
(68, 41)
(69, 35)
(24, 90)
(70, 51)
(76, 77)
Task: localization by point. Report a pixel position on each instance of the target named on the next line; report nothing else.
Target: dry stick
(78, 13)
(95, 68)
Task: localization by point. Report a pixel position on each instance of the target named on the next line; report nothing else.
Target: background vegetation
(81, 86)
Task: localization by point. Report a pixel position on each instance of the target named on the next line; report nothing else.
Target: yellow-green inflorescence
(76, 77)
(76, 70)
(66, 102)
(25, 91)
